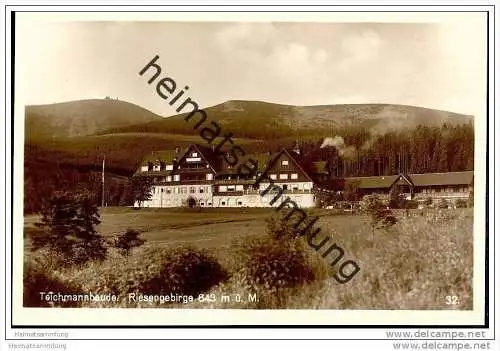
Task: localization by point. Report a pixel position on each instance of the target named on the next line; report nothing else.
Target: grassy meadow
(412, 265)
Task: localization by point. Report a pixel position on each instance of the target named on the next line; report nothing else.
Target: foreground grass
(413, 265)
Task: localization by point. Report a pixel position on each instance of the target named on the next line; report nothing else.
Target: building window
(230, 188)
(223, 203)
(177, 178)
(202, 190)
(169, 178)
(194, 154)
(240, 203)
(209, 176)
(285, 187)
(222, 188)
(284, 163)
(239, 187)
(192, 190)
(294, 176)
(283, 176)
(169, 191)
(162, 190)
(273, 176)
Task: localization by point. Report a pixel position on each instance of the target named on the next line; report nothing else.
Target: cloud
(295, 60)
(266, 57)
(245, 37)
(360, 48)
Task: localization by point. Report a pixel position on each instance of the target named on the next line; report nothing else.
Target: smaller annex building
(451, 186)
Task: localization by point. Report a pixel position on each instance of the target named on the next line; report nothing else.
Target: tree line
(418, 150)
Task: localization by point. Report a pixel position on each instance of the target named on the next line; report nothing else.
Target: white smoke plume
(338, 142)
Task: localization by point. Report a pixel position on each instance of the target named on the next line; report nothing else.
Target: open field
(412, 265)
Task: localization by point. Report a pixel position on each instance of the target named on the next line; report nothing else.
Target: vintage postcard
(250, 169)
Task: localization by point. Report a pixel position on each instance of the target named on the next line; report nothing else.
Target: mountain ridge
(247, 119)
(264, 120)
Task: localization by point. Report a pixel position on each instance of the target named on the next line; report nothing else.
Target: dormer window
(284, 163)
(194, 154)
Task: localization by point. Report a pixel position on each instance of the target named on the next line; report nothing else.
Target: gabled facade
(180, 177)
(198, 176)
(281, 170)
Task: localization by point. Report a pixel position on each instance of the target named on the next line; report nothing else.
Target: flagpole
(103, 163)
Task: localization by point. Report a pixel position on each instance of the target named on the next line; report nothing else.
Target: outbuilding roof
(418, 180)
(449, 178)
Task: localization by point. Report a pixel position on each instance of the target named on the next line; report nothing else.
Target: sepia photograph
(188, 164)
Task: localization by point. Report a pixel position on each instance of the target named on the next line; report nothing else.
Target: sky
(435, 65)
